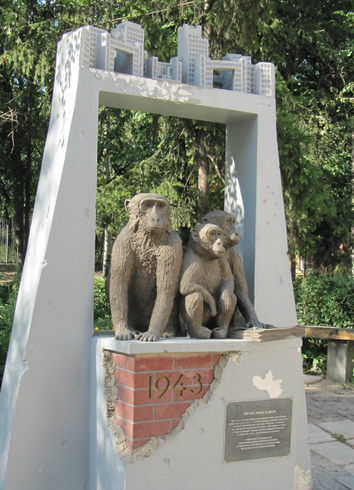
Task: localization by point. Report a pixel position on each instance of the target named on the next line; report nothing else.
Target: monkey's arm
(226, 308)
(227, 300)
(120, 272)
(169, 263)
(189, 282)
(241, 291)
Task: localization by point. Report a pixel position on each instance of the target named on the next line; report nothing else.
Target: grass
(339, 437)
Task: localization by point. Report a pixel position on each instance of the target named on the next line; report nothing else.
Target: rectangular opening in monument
(123, 62)
(224, 79)
(145, 152)
(218, 79)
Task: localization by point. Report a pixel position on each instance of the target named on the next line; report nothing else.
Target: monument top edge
(185, 345)
(122, 51)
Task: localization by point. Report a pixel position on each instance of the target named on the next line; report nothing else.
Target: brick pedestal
(155, 391)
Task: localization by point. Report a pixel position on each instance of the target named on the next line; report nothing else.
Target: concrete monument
(144, 271)
(207, 287)
(52, 356)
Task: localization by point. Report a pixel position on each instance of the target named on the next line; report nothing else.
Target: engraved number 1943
(162, 384)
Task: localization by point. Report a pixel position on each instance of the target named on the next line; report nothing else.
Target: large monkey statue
(145, 266)
(206, 285)
(227, 221)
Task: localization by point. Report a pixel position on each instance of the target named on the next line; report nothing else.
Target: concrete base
(340, 360)
(191, 457)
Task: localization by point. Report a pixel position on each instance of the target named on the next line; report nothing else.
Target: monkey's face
(232, 237)
(149, 213)
(216, 241)
(227, 223)
(155, 213)
(209, 241)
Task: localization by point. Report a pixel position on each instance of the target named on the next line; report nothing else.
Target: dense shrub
(101, 312)
(8, 295)
(323, 299)
(314, 355)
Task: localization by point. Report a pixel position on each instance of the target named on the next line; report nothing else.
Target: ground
(330, 411)
(327, 401)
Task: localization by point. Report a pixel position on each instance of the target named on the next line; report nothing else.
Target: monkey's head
(149, 213)
(226, 221)
(208, 240)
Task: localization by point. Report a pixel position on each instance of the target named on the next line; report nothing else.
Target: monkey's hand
(123, 332)
(149, 336)
(204, 333)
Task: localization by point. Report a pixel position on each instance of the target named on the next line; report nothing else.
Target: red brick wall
(154, 392)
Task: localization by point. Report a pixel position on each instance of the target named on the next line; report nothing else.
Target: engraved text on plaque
(257, 429)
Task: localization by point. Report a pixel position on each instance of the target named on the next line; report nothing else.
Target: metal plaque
(257, 429)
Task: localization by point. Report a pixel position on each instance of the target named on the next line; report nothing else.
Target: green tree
(310, 43)
(28, 38)
(141, 152)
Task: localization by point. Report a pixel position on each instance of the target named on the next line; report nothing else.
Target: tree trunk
(293, 268)
(7, 244)
(18, 220)
(352, 201)
(203, 187)
(28, 169)
(107, 250)
(27, 197)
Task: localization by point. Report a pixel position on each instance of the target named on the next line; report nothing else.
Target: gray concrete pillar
(340, 360)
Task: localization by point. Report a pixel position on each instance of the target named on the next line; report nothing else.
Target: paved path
(330, 409)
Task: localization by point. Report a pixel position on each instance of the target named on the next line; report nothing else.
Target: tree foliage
(312, 46)
(141, 152)
(310, 43)
(28, 38)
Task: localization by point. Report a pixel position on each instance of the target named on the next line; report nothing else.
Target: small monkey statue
(208, 300)
(227, 221)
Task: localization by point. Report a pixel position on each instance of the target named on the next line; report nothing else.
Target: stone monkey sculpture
(227, 221)
(145, 266)
(206, 285)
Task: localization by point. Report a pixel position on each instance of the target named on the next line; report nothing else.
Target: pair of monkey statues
(156, 292)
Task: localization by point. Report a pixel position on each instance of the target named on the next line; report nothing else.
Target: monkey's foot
(169, 335)
(220, 333)
(125, 334)
(149, 336)
(200, 333)
(169, 332)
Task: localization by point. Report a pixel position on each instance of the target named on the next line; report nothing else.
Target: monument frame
(45, 397)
